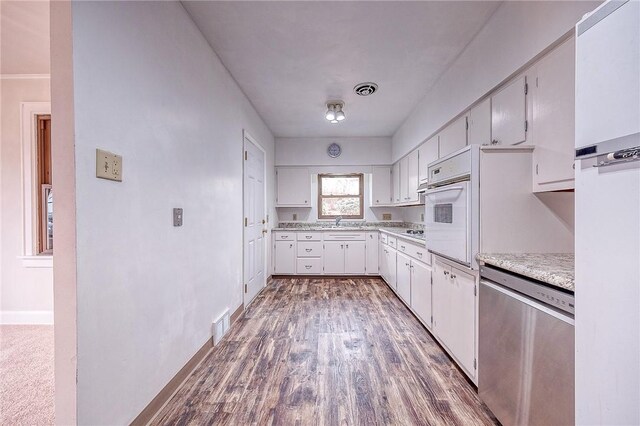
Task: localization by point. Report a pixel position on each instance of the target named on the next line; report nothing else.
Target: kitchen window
(341, 195)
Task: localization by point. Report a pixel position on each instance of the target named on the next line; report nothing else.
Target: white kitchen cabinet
(453, 137)
(427, 153)
(553, 127)
(454, 312)
(388, 265)
(479, 132)
(382, 260)
(395, 179)
(381, 186)
(373, 242)
(334, 257)
(293, 187)
(403, 277)
(404, 179)
(413, 165)
(355, 257)
(284, 257)
(421, 291)
(509, 113)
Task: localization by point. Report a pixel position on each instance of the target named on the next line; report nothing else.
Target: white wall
(148, 86)
(515, 34)
(26, 294)
(313, 151)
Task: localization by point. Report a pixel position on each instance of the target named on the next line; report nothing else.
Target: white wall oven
(451, 208)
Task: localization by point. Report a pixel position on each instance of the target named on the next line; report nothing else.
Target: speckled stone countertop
(399, 229)
(557, 269)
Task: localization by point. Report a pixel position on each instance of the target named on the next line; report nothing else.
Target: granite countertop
(556, 269)
(397, 228)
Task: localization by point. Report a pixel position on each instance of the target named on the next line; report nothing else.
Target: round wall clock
(334, 150)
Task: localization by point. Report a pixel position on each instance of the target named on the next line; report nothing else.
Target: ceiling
(24, 37)
(289, 58)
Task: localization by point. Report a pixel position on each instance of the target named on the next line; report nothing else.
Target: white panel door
(254, 221)
(395, 175)
(508, 113)
(412, 172)
(453, 137)
(403, 277)
(421, 291)
(293, 187)
(284, 257)
(372, 253)
(553, 127)
(441, 302)
(334, 257)
(381, 186)
(355, 257)
(427, 153)
(479, 132)
(463, 319)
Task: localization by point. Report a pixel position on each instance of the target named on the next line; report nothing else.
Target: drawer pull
(307, 266)
(419, 254)
(284, 237)
(308, 250)
(403, 248)
(453, 277)
(308, 237)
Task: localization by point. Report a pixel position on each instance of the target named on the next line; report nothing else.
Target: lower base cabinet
(334, 257)
(403, 277)
(388, 265)
(284, 257)
(345, 257)
(454, 312)
(373, 239)
(421, 291)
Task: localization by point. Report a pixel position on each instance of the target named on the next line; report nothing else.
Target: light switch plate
(108, 165)
(177, 217)
(386, 216)
(421, 217)
(295, 216)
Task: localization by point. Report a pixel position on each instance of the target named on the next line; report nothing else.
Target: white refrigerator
(607, 243)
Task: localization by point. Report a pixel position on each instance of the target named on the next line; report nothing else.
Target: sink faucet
(338, 219)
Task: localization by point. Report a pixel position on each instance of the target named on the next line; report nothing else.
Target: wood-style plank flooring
(326, 352)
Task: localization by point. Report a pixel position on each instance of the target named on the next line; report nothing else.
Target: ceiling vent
(365, 89)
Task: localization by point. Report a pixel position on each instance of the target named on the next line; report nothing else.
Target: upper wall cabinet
(479, 132)
(509, 113)
(293, 187)
(413, 164)
(381, 186)
(404, 179)
(427, 153)
(453, 137)
(395, 183)
(553, 126)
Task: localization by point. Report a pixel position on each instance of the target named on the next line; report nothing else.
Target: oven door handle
(435, 191)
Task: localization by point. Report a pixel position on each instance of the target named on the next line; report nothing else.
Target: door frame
(246, 136)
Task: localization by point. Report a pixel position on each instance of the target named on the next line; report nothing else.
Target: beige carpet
(26, 375)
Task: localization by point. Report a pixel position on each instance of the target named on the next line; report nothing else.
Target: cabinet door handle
(290, 245)
(308, 237)
(446, 273)
(453, 277)
(307, 266)
(406, 264)
(341, 245)
(402, 247)
(308, 250)
(284, 237)
(419, 254)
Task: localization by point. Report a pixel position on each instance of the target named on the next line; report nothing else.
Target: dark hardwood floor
(326, 352)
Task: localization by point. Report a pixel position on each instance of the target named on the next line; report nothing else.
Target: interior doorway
(254, 186)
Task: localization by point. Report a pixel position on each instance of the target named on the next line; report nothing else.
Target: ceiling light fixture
(334, 112)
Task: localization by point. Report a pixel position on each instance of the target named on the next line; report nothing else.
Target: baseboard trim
(26, 317)
(236, 314)
(165, 395)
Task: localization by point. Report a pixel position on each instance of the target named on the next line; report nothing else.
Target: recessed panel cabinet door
(381, 186)
(372, 253)
(441, 302)
(413, 180)
(404, 180)
(479, 132)
(285, 257)
(383, 259)
(403, 277)
(334, 257)
(421, 291)
(553, 127)
(427, 153)
(293, 187)
(391, 266)
(453, 137)
(355, 257)
(508, 114)
(395, 179)
(462, 340)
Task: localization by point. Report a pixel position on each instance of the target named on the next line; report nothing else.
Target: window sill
(42, 261)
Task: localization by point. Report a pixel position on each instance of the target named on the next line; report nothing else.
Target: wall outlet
(386, 216)
(108, 165)
(295, 216)
(177, 217)
(221, 326)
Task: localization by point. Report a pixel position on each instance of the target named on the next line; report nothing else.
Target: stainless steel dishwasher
(525, 350)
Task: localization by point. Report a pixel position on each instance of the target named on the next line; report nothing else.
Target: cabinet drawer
(309, 236)
(392, 242)
(284, 236)
(415, 251)
(384, 238)
(309, 248)
(312, 265)
(344, 236)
